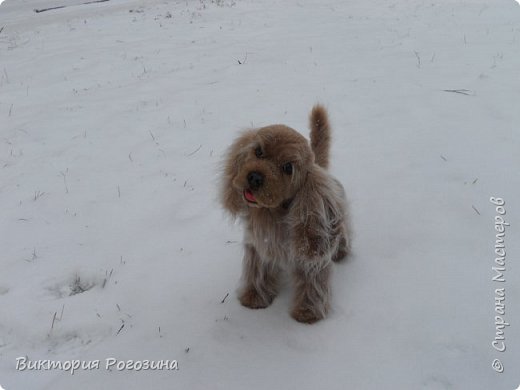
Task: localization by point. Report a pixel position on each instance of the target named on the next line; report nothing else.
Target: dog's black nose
(255, 180)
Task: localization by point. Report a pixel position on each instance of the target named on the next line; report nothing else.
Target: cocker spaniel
(294, 212)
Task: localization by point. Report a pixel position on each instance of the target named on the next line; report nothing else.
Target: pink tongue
(249, 196)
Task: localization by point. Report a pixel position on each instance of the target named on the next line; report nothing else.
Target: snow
(114, 119)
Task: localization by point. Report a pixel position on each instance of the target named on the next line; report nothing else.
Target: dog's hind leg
(260, 280)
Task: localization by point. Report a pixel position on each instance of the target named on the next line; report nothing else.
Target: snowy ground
(113, 119)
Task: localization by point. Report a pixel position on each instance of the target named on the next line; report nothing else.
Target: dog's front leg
(312, 292)
(259, 279)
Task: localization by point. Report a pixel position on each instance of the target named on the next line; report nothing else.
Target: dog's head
(265, 168)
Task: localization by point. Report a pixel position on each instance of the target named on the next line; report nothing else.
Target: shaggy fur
(293, 210)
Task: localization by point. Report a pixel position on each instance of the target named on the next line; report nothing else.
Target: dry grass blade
(461, 91)
(224, 300)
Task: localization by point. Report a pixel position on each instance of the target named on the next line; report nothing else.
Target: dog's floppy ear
(230, 197)
(312, 214)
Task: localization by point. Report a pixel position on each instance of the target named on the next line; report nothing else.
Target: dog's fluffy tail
(320, 135)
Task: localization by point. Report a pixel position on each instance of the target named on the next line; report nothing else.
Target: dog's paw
(340, 255)
(252, 299)
(305, 315)
(342, 252)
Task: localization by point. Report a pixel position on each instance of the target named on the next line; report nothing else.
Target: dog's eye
(287, 168)
(258, 152)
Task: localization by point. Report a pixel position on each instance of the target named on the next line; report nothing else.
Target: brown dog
(294, 213)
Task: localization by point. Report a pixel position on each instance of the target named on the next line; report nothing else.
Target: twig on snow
(48, 9)
(40, 10)
(461, 91)
(121, 328)
(224, 300)
(418, 58)
(153, 137)
(53, 320)
(38, 194)
(243, 61)
(64, 174)
(195, 151)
